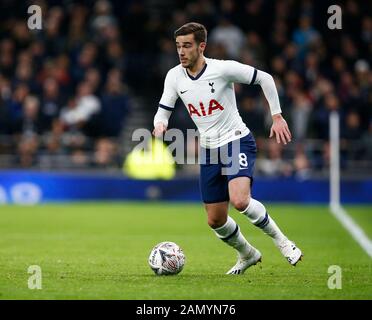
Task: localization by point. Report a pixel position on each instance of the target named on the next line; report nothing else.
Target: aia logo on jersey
(213, 105)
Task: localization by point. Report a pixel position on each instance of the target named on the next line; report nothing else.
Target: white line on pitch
(356, 232)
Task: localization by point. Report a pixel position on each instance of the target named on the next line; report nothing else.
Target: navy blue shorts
(220, 165)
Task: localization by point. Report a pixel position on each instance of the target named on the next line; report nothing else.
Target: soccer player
(206, 87)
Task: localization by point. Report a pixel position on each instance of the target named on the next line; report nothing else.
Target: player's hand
(159, 129)
(280, 129)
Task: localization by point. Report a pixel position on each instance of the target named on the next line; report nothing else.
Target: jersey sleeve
(170, 95)
(234, 71)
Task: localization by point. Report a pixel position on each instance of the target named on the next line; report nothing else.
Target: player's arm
(161, 121)
(279, 127)
(238, 72)
(166, 106)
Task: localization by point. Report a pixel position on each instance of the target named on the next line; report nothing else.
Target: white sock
(256, 213)
(230, 233)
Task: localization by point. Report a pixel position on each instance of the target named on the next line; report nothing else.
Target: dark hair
(197, 29)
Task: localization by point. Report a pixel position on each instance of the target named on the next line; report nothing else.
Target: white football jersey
(210, 99)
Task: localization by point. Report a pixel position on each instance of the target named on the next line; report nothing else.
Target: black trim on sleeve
(254, 76)
(165, 107)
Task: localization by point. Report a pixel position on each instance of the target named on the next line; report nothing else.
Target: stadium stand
(72, 93)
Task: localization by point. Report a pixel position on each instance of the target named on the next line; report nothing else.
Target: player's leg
(214, 192)
(226, 228)
(255, 211)
(228, 231)
(243, 159)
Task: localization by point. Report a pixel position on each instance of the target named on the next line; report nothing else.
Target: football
(166, 258)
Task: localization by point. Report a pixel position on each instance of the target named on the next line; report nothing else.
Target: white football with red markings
(166, 258)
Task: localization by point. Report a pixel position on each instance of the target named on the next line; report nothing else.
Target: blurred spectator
(54, 42)
(346, 86)
(102, 16)
(28, 130)
(292, 56)
(326, 156)
(250, 17)
(105, 154)
(7, 57)
(256, 50)
(53, 138)
(363, 75)
(27, 151)
(93, 79)
(300, 114)
(5, 93)
(229, 35)
(229, 9)
(321, 116)
(301, 165)
(279, 36)
(56, 68)
(311, 68)
(80, 111)
(104, 24)
(366, 34)
(21, 35)
(217, 51)
(305, 35)
(167, 57)
(273, 164)
(351, 135)
(29, 124)
(14, 105)
(278, 66)
(204, 12)
(115, 55)
(349, 50)
(85, 60)
(51, 103)
(79, 159)
(252, 115)
(352, 130)
(23, 71)
(77, 31)
(115, 105)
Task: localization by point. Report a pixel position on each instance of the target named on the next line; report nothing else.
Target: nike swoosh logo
(182, 92)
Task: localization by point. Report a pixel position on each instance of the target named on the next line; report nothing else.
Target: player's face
(188, 50)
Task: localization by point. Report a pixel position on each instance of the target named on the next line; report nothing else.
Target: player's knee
(240, 203)
(215, 222)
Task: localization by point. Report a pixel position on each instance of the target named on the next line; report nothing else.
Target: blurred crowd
(67, 89)
(63, 91)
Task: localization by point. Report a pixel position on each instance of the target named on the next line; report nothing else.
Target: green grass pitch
(100, 251)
